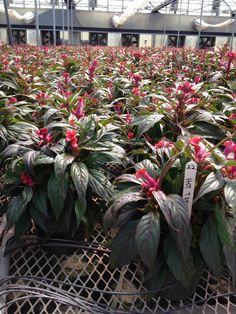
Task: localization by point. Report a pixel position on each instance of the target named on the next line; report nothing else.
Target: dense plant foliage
(107, 134)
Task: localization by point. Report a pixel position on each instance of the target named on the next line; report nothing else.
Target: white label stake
(189, 183)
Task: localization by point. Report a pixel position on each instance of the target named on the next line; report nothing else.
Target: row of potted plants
(140, 140)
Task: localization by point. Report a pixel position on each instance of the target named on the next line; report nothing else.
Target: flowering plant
(67, 120)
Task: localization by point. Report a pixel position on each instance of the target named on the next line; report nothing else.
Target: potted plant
(58, 175)
(174, 240)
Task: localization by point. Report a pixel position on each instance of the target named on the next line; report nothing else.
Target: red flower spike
(79, 112)
(130, 135)
(195, 140)
(232, 117)
(26, 179)
(230, 150)
(186, 88)
(149, 184)
(200, 154)
(93, 66)
(128, 118)
(12, 100)
(72, 139)
(231, 55)
(44, 136)
(163, 144)
(71, 135)
(136, 77)
(197, 79)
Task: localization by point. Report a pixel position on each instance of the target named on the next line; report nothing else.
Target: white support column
(159, 40)
(191, 41)
(145, 40)
(114, 39)
(221, 41)
(3, 36)
(31, 37)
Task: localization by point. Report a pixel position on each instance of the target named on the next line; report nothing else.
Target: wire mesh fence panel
(59, 279)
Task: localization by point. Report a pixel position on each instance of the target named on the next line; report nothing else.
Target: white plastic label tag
(189, 183)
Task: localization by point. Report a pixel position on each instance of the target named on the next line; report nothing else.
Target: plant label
(189, 184)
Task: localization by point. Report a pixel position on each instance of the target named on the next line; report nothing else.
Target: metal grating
(81, 281)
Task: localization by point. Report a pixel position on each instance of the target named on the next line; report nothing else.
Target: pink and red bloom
(79, 112)
(230, 150)
(149, 184)
(136, 78)
(163, 144)
(128, 118)
(232, 117)
(130, 135)
(200, 153)
(12, 100)
(44, 136)
(26, 179)
(71, 137)
(231, 55)
(230, 154)
(186, 88)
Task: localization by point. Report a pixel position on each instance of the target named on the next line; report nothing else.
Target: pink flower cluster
(200, 153)
(136, 78)
(44, 136)
(230, 154)
(92, 68)
(26, 179)
(163, 144)
(71, 137)
(186, 88)
(79, 112)
(12, 100)
(149, 184)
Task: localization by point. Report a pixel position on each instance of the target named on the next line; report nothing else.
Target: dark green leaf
(39, 218)
(222, 229)
(49, 114)
(207, 130)
(214, 181)
(23, 224)
(44, 160)
(80, 177)
(80, 211)
(155, 278)
(128, 178)
(230, 194)
(12, 85)
(146, 122)
(147, 164)
(124, 248)
(11, 150)
(113, 211)
(147, 238)
(100, 184)
(176, 214)
(29, 159)
(210, 245)
(124, 215)
(230, 255)
(3, 133)
(179, 266)
(61, 162)
(59, 126)
(27, 194)
(40, 201)
(57, 192)
(15, 209)
(100, 159)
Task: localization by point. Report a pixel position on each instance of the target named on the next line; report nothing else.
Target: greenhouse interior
(117, 156)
